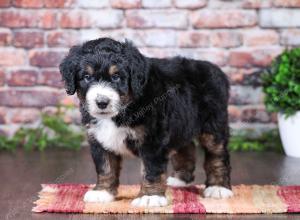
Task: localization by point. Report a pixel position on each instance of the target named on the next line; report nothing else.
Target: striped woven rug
(68, 198)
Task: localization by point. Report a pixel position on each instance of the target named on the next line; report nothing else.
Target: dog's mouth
(105, 113)
(101, 114)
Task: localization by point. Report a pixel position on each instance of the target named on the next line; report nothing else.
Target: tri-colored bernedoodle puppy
(152, 109)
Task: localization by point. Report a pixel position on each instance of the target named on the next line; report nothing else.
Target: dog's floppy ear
(138, 68)
(69, 68)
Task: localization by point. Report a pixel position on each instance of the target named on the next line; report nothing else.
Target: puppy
(152, 109)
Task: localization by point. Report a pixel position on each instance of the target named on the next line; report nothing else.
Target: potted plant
(281, 84)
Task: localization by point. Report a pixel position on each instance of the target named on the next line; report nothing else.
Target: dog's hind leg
(217, 167)
(183, 162)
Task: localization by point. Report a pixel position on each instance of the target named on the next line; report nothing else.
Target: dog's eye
(87, 77)
(115, 77)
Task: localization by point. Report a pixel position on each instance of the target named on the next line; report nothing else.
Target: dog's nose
(103, 103)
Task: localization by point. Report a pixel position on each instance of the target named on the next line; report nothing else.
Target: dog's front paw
(102, 196)
(217, 192)
(150, 201)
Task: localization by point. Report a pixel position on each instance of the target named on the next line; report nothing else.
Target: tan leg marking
(183, 162)
(109, 180)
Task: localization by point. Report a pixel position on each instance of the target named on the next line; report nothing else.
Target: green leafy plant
(281, 83)
(266, 141)
(52, 132)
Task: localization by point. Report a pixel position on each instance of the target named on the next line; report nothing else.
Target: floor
(22, 173)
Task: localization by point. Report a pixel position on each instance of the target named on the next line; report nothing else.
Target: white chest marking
(113, 138)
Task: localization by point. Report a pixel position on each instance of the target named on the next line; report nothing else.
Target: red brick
(240, 95)
(17, 19)
(28, 98)
(218, 57)
(193, 39)
(67, 100)
(257, 4)
(12, 57)
(62, 38)
(190, 4)
(46, 58)
(28, 39)
(223, 18)
(126, 4)
(2, 78)
(51, 78)
(32, 19)
(75, 19)
(236, 78)
(290, 37)
(23, 78)
(240, 58)
(254, 57)
(240, 75)
(156, 18)
(260, 37)
(24, 115)
(58, 3)
(3, 113)
(28, 3)
(287, 3)
(92, 18)
(263, 57)
(226, 39)
(234, 113)
(5, 37)
(48, 20)
(255, 114)
(5, 3)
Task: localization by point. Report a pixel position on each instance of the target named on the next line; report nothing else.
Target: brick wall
(241, 36)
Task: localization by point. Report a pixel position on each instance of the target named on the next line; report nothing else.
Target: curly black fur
(174, 100)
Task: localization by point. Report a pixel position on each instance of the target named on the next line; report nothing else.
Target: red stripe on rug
(69, 198)
(291, 196)
(185, 200)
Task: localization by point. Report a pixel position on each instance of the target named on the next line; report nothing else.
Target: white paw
(173, 181)
(98, 196)
(150, 201)
(217, 192)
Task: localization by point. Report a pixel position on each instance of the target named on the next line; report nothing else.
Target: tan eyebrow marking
(112, 69)
(90, 70)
